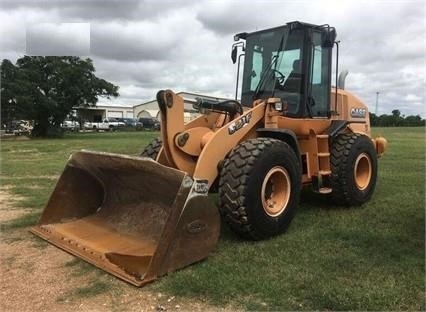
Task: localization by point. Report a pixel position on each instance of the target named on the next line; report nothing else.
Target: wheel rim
(276, 188)
(362, 171)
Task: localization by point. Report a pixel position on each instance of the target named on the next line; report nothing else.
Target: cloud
(97, 10)
(127, 42)
(226, 18)
(58, 39)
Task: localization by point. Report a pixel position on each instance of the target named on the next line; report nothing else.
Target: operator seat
(294, 80)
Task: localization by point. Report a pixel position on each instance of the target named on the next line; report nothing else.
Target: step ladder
(322, 168)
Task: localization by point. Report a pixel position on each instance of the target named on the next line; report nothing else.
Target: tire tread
(341, 151)
(233, 181)
(152, 149)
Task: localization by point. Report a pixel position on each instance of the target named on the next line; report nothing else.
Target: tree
(396, 118)
(8, 98)
(373, 119)
(414, 121)
(46, 89)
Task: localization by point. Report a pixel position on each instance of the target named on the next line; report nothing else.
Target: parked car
(20, 127)
(150, 123)
(132, 123)
(70, 125)
(110, 124)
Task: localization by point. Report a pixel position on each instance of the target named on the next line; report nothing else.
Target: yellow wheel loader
(142, 217)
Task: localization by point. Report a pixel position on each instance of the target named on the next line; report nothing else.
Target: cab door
(319, 84)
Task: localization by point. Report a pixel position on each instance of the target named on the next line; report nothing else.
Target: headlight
(278, 106)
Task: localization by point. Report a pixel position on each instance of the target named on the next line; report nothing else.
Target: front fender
(285, 135)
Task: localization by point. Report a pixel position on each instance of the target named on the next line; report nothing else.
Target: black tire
(241, 187)
(353, 169)
(152, 149)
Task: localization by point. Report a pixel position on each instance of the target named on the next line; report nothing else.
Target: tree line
(45, 89)
(396, 120)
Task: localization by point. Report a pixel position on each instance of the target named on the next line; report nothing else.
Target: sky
(147, 45)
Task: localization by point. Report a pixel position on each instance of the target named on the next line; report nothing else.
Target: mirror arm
(238, 74)
(234, 50)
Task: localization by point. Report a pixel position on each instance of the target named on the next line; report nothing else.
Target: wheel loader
(140, 218)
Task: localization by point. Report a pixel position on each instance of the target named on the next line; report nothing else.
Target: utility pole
(377, 102)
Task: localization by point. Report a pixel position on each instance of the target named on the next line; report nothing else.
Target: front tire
(354, 169)
(152, 149)
(259, 188)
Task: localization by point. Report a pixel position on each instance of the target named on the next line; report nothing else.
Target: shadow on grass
(311, 200)
(26, 220)
(93, 289)
(98, 283)
(80, 267)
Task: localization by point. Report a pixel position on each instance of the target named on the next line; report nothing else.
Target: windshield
(273, 67)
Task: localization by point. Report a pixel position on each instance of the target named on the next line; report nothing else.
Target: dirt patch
(27, 279)
(37, 276)
(8, 205)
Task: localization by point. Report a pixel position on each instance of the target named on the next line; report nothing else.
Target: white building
(100, 112)
(150, 109)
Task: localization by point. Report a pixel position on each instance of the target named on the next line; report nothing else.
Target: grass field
(331, 258)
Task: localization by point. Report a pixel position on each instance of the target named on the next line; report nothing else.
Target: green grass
(331, 258)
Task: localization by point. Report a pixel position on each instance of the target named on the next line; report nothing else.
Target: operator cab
(291, 62)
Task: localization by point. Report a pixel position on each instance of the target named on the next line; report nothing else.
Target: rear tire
(152, 149)
(259, 188)
(354, 169)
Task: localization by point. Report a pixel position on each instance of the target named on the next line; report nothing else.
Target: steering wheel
(279, 75)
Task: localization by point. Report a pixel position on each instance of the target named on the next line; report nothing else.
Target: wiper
(273, 62)
(265, 74)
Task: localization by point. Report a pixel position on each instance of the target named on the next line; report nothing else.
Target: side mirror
(328, 37)
(234, 54)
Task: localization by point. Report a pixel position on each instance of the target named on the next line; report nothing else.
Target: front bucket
(130, 216)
